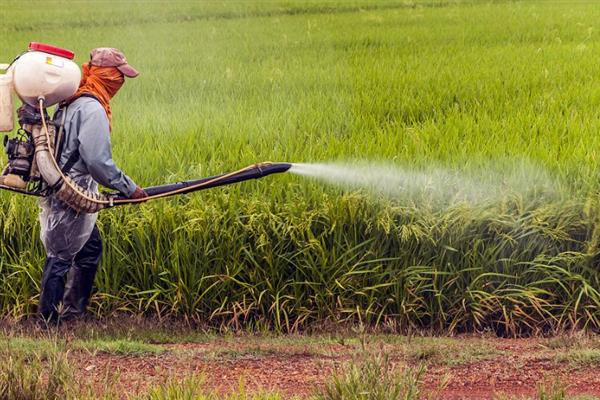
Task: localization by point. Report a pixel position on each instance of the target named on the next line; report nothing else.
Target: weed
(375, 378)
(34, 378)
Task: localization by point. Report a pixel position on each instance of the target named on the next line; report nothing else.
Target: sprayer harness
(103, 201)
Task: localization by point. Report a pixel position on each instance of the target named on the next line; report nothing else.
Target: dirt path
(472, 368)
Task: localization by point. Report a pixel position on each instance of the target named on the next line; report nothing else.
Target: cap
(111, 57)
(48, 48)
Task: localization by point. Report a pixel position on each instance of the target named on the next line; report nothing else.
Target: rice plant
(451, 84)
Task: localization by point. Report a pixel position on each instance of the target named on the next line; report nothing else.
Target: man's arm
(96, 151)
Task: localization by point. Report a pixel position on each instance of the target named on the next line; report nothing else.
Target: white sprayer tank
(45, 71)
(6, 104)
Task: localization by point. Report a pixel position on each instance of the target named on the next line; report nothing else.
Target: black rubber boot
(53, 287)
(81, 277)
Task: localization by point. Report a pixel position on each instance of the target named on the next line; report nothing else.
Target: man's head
(107, 68)
(104, 75)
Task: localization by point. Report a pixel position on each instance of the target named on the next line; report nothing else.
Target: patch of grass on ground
(577, 350)
(234, 354)
(445, 351)
(573, 341)
(47, 343)
(26, 347)
(580, 357)
(374, 379)
(191, 388)
(34, 375)
(119, 347)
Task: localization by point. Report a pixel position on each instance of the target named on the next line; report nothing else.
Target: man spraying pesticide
(63, 161)
(72, 240)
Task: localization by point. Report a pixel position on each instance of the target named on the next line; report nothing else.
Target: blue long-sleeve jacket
(87, 131)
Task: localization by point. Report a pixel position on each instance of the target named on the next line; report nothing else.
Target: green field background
(413, 83)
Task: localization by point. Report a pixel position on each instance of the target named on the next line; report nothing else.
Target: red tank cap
(48, 48)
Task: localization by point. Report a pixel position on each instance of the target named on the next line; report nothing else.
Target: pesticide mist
(435, 186)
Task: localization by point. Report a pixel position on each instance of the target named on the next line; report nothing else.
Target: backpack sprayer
(42, 77)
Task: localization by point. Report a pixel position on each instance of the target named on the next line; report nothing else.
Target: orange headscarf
(102, 83)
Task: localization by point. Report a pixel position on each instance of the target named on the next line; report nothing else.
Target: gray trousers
(70, 282)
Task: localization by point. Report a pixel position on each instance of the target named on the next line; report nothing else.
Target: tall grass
(418, 83)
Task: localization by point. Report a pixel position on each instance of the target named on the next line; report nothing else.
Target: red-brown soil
(473, 368)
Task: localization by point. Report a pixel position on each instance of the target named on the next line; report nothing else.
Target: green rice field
(223, 84)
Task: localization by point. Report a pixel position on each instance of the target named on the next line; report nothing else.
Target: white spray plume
(490, 182)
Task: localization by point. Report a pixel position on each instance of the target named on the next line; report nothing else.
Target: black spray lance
(254, 171)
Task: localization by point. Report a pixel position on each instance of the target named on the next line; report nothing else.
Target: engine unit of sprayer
(20, 156)
(21, 171)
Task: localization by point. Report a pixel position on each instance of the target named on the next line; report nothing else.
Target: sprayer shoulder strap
(74, 157)
(61, 127)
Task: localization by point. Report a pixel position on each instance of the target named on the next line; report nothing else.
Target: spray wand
(254, 171)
